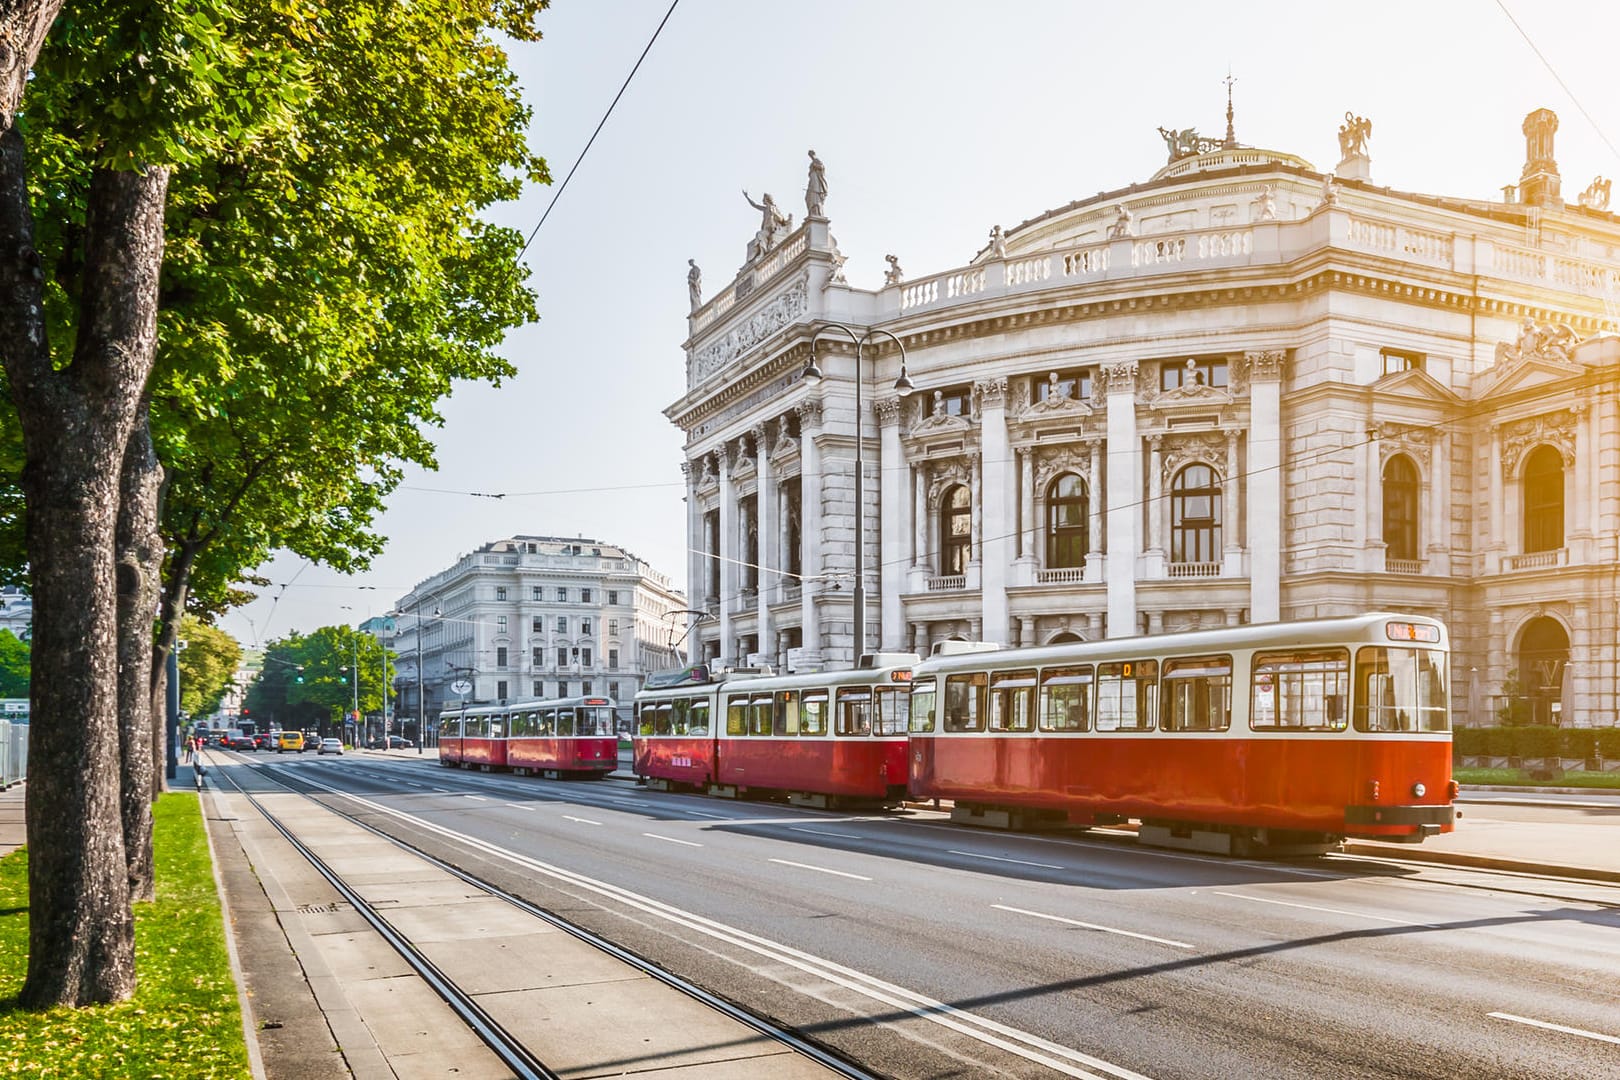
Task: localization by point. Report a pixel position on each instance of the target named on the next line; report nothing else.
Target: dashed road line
(1093, 926)
(822, 869)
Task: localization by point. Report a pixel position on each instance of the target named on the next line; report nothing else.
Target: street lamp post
(903, 386)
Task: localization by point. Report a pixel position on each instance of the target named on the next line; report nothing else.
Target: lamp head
(811, 375)
(903, 385)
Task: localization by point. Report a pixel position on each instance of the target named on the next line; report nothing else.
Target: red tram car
(821, 739)
(556, 737)
(1286, 736)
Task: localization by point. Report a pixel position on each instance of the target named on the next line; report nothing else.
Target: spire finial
(1231, 134)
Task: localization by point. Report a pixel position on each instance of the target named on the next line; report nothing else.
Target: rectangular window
(562, 688)
(1066, 698)
(613, 659)
(500, 592)
(562, 594)
(537, 625)
(1072, 385)
(538, 659)
(1198, 693)
(964, 701)
(854, 713)
(584, 596)
(537, 592)
(539, 688)
(500, 690)
(1198, 371)
(613, 628)
(922, 706)
(585, 658)
(1398, 360)
(1300, 689)
(759, 715)
(697, 717)
(892, 703)
(562, 624)
(562, 657)
(1012, 701)
(585, 688)
(1401, 690)
(785, 714)
(737, 716)
(951, 401)
(500, 624)
(584, 626)
(1127, 695)
(500, 656)
(663, 719)
(613, 596)
(613, 691)
(813, 713)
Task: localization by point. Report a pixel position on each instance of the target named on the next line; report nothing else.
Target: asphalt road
(928, 950)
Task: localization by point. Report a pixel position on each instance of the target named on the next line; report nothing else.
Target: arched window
(1543, 500)
(1195, 516)
(1068, 517)
(1401, 508)
(955, 530)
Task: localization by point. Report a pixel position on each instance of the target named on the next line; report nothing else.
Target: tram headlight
(1418, 791)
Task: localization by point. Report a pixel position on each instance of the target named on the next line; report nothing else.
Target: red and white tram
(821, 739)
(555, 737)
(1284, 736)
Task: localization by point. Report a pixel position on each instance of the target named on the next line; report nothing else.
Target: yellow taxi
(289, 740)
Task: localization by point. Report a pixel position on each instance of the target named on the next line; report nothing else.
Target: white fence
(13, 752)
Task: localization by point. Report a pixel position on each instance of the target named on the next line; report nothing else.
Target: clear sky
(936, 120)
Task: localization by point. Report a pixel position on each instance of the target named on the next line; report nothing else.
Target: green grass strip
(183, 1020)
(1609, 781)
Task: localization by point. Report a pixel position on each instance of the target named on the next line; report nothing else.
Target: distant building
(16, 612)
(531, 617)
(1241, 390)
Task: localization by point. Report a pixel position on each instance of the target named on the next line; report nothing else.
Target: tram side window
(813, 716)
(1401, 690)
(785, 715)
(1066, 698)
(922, 706)
(1198, 693)
(737, 716)
(663, 720)
(644, 724)
(697, 718)
(450, 727)
(677, 716)
(855, 710)
(1300, 690)
(759, 715)
(565, 723)
(1012, 701)
(964, 701)
(522, 724)
(546, 722)
(1127, 695)
(890, 717)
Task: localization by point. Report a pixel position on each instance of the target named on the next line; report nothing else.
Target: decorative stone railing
(1403, 566)
(1192, 569)
(1063, 575)
(752, 277)
(1387, 238)
(947, 582)
(1539, 559)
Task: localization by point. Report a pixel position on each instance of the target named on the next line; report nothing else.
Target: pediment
(1528, 374)
(1054, 408)
(1196, 396)
(1418, 385)
(937, 425)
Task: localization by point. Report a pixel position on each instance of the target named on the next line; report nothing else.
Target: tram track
(510, 1050)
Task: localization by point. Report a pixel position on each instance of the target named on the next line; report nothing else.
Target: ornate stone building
(1242, 390)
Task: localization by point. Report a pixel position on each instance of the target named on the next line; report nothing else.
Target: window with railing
(1195, 515)
(1401, 508)
(1543, 500)
(1068, 522)
(955, 530)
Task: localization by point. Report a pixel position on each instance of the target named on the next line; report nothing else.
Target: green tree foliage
(207, 665)
(13, 666)
(310, 677)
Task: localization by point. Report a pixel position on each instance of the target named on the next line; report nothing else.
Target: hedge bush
(1537, 741)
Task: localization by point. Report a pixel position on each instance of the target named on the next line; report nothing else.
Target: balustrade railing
(1193, 569)
(1403, 566)
(1062, 575)
(1536, 560)
(947, 582)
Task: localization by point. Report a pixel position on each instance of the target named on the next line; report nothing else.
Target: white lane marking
(1328, 910)
(825, 832)
(1093, 926)
(700, 813)
(628, 802)
(1027, 1045)
(475, 798)
(671, 840)
(581, 820)
(997, 858)
(821, 869)
(1555, 1027)
(521, 806)
(442, 790)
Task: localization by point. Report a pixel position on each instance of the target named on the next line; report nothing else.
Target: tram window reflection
(1127, 695)
(1401, 690)
(1198, 693)
(1300, 689)
(922, 706)
(890, 715)
(1066, 698)
(1012, 701)
(759, 715)
(697, 718)
(964, 701)
(813, 713)
(737, 715)
(854, 710)
(786, 718)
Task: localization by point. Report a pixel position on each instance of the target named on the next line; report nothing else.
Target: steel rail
(777, 1033)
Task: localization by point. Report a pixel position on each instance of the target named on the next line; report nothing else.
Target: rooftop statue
(1330, 191)
(694, 284)
(815, 189)
(1353, 134)
(772, 225)
(1542, 341)
(893, 275)
(1265, 207)
(998, 243)
(1122, 223)
(1596, 196)
(1187, 143)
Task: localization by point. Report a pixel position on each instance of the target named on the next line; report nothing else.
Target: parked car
(262, 740)
(236, 740)
(329, 746)
(289, 740)
(399, 742)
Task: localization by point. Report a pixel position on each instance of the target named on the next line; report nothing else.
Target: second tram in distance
(554, 737)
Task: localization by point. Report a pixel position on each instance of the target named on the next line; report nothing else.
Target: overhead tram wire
(1558, 78)
(575, 167)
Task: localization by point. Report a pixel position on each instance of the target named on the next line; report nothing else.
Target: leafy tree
(207, 665)
(309, 678)
(13, 666)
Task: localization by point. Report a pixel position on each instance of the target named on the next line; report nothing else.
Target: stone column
(1153, 557)
(975, 543)
(1026, 630)
(1094, 501)
(1579, 686)
(765, 507)
(1498, 511)
(1123, 492)
(996, 479)
(1265, 484)
(694, 546)
(1372, 511)
(1585, 497)
(1232, 511)
(810, 525)
(1439, 530)
(920, 549)
(894, 530)
(728, 553)
(1029, 543)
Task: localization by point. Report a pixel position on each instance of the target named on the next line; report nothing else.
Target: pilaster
(1265, 484)
(895, 530)
(1123, 492)
(997, 480)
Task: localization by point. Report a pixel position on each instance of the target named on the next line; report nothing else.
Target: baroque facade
(532, 617)
(1243, 390)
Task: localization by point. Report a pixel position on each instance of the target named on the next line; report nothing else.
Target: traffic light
(245, 711)
(300, 676)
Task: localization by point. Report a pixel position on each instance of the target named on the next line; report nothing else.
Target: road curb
(1480, 862)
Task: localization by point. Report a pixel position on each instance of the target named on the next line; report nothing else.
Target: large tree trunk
(76, 424)
(140, 559)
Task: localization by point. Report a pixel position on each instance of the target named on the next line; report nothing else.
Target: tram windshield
(1401, 690)
(922, 706)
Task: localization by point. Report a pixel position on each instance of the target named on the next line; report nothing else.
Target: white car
(329, 746)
